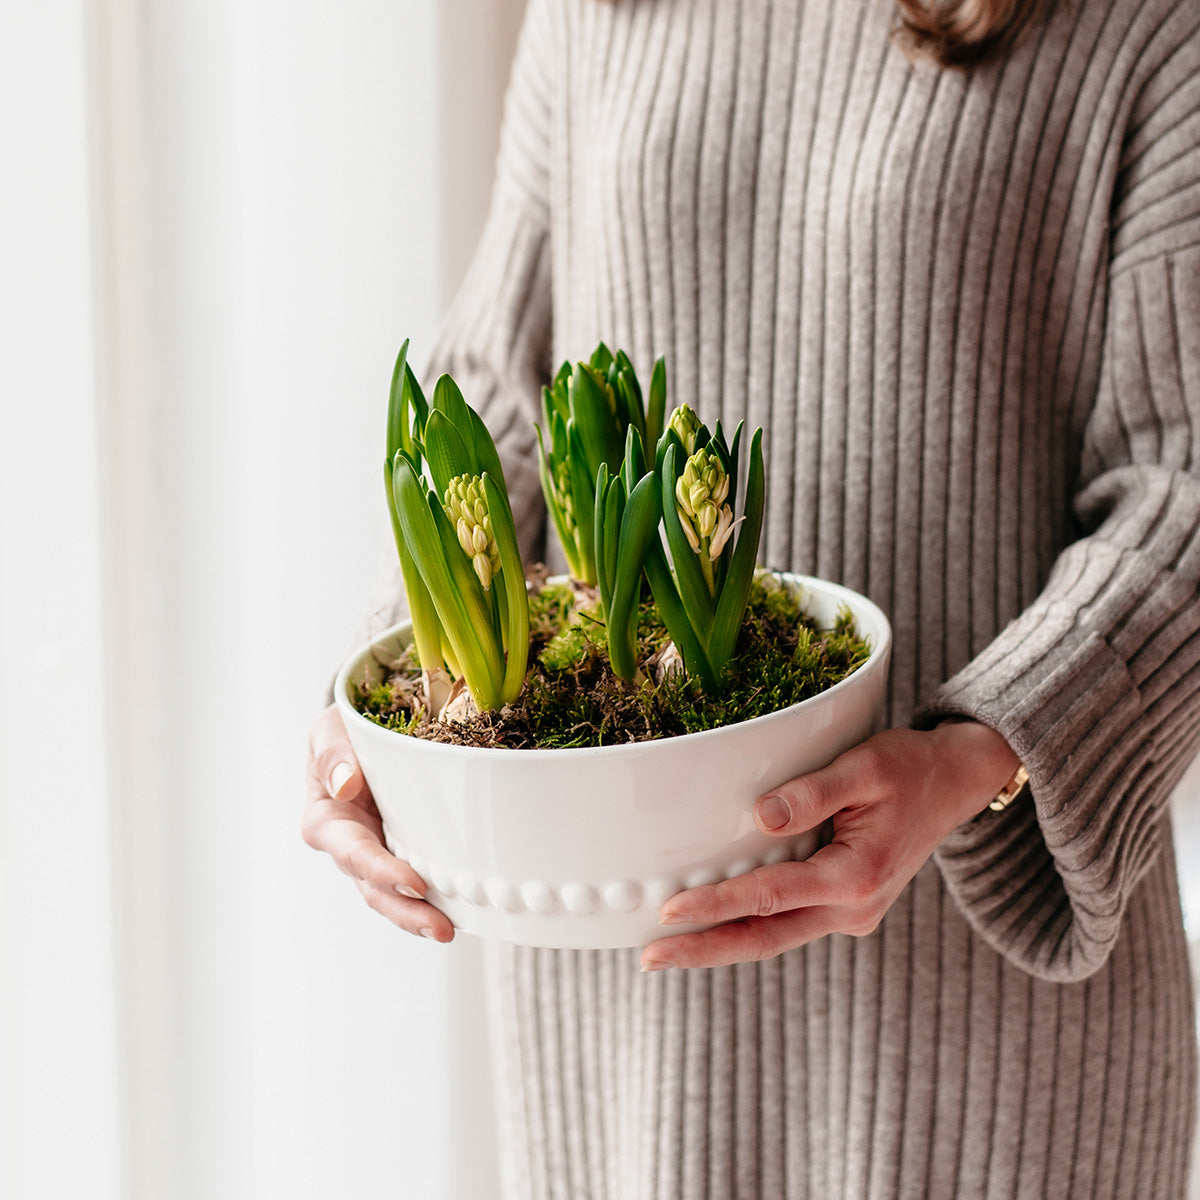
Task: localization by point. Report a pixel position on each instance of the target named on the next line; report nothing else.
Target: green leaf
(675, 617)
(731, 607)
(559, 443)
(397, 532)
(582, 485)
(428, 633)
(639, 534)
(668, 439)
(457, 595)
(630, 405)
(560, 390)
(484, 672)
(601, 359)
(415, 397)
(639, 529)
(693, 591)
(601, 536)
(635, 465)
(448, 400)
(512, 577)
(397, 416)
(483, 451)
(594, 420)
(626, 368)
(448, 654)
(565, 537)
(732, 460)
(656, 408)
(446, 452)
(612, 502)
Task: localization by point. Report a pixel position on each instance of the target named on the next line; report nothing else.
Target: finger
(751, 940)
(805, 802)
(413, 916)
(353, 841)
(828, 877)
(332, 757)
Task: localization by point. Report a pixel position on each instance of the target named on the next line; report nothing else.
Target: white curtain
(220, 220)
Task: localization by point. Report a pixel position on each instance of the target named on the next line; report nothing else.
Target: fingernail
(675, 918)
(774, 812)
(655, 966)
(426, 932)
(411, 893)
(338, 779)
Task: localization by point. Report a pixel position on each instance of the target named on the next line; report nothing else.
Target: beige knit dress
(965, 309)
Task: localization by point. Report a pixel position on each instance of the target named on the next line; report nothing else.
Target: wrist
(982, 763)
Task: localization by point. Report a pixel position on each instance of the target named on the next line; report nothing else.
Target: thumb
(805, 802)
(333, 758)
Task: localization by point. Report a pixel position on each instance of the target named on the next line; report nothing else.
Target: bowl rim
(878, 657)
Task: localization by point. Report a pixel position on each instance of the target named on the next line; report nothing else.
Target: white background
(220, 217)
(219, 220)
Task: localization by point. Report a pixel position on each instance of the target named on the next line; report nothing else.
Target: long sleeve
(1096, 686)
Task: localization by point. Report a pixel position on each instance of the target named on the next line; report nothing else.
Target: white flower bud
(483, 568)
(724, 530)
(688, 531)
(464, 536)
(682, 500)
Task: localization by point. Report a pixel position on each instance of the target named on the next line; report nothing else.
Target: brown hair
(959, 33)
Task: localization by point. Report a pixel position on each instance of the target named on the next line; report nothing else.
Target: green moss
(548, 611)
(574, 643)
(572, 698)
(387, 704)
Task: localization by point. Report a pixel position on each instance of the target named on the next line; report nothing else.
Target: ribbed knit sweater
(965, 309)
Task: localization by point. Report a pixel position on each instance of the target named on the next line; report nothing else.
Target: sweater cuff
(1045, 882)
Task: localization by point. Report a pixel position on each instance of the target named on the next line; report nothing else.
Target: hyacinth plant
(587, 414)
(631, 501)
(457, 543)
(612, 476)
(702, 591)
(702, 594)
(625, 526)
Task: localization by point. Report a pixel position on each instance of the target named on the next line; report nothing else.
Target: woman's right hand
(340, 818)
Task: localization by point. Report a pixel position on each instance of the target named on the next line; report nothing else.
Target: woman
(964, 304)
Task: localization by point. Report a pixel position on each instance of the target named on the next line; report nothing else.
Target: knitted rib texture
(965, 308)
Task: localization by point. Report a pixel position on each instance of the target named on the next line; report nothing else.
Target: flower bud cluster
(466, 506)
(686, 425)
(700, 495)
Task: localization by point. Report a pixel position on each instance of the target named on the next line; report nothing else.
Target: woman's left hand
(892, 800)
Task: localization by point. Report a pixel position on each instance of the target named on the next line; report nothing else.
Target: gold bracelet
(1011, 790)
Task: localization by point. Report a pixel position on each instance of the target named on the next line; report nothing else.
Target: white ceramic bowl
(580, 848)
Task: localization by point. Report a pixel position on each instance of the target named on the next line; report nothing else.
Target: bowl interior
(821, 600)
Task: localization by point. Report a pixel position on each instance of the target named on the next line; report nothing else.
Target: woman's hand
(891, 800)
(340, 818)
